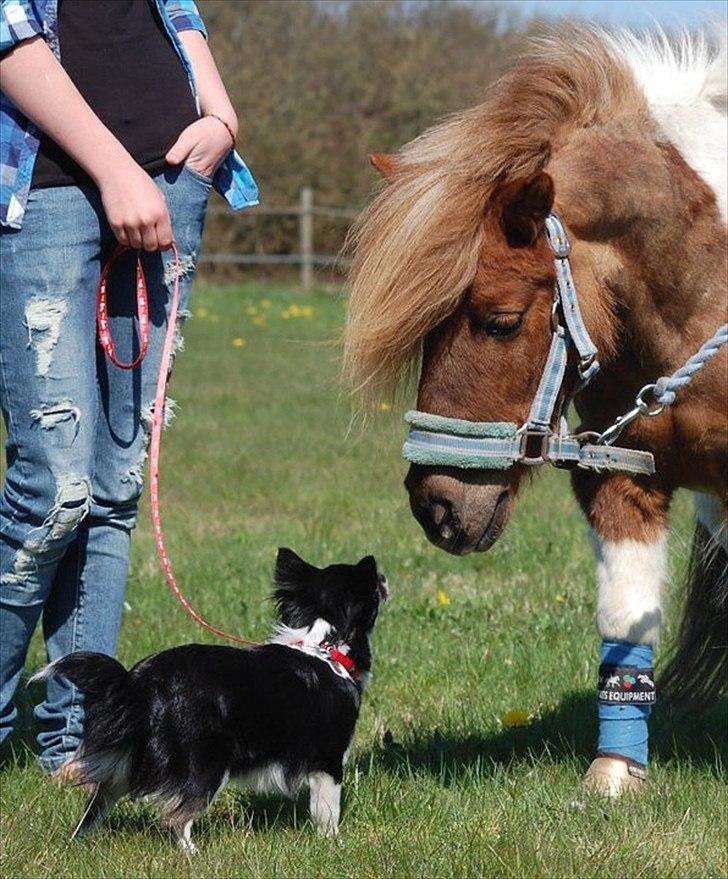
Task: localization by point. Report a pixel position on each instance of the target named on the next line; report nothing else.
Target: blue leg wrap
(626, 696)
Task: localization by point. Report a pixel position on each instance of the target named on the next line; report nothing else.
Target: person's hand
(135, 208)
(202, 146)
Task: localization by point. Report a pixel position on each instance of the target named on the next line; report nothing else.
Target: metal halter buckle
(533, 440)
(586, 363)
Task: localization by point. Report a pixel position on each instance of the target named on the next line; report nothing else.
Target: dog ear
(525, 207)
(291, 570)
(293, 593)
(368, 565)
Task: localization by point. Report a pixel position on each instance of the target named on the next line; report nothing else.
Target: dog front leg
(325, 802)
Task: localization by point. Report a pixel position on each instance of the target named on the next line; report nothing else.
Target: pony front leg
(630, 537)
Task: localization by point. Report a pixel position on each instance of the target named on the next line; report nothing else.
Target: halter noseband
(497, 445)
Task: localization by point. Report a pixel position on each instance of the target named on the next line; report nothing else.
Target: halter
(498, 445)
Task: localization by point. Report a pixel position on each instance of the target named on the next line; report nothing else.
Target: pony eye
(503, 325)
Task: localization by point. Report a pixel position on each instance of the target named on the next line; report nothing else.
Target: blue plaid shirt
(19, 138)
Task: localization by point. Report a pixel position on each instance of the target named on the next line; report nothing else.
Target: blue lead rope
(434, 440)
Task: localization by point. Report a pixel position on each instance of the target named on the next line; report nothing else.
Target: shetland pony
(625, 138)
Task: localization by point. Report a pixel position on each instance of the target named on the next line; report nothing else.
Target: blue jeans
(78, 431)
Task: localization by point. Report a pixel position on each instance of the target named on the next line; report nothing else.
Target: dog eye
(502, 324)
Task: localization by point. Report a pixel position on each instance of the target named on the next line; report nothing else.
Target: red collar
(335, 655)
(345, 661)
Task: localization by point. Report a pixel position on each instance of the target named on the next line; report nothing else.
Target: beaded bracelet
(229, 129)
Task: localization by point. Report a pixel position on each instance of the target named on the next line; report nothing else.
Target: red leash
(107, 343)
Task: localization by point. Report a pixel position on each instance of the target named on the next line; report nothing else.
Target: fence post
(306, 237)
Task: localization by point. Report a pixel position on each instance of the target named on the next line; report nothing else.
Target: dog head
(340, 602)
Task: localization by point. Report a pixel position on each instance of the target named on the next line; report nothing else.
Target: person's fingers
(121, 236)
(164, 233)
(134, 237)
(181, 148)
(149, 238)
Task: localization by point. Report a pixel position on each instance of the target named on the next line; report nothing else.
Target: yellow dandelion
(251, 310)
(384, 406)
(265, 303)
(442, 597)
(201, 313)
(294, 310)
(259, 320)
(239, 342)
(559, 598)
(286, 314)
(515, 717)
(307, 311)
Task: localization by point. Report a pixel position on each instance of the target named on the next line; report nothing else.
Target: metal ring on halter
(541, 437)
(555, 322)
(644, 407)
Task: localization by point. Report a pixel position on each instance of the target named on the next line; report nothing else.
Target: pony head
(452, 272)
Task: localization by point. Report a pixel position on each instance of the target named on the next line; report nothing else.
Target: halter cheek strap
(497, 445)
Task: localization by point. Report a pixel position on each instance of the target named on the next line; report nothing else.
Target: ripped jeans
(78, 431)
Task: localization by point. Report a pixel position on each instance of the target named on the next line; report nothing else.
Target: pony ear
(291, 570)
(525, 207)
(385, 163)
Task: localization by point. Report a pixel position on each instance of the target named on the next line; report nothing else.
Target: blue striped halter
(497, 445)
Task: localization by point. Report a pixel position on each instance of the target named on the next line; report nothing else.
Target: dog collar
(345, 661)
(339, 662)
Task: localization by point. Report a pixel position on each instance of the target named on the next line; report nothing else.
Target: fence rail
(306, 210)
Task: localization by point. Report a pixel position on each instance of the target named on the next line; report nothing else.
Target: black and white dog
(181, 723)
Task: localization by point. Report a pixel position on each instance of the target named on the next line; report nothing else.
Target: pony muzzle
(461, 511)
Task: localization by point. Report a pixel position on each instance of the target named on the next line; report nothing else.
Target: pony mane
(416, 246)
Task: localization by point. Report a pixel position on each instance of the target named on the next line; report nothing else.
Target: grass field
(438, 784)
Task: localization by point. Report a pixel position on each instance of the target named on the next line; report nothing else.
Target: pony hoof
(611, 777)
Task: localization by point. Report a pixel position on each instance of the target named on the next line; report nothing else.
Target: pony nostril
(439, 511)
(443, 518)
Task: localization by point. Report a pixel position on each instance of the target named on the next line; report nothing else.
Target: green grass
(259, 457)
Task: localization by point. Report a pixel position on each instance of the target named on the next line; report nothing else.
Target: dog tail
(114, 713)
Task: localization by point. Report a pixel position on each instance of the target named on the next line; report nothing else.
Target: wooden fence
(306, 257)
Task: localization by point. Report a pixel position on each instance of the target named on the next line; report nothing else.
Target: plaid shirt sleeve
(18, 21)
(184, 16)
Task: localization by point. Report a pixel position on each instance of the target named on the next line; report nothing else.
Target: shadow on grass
(235, 809)
(566, 733)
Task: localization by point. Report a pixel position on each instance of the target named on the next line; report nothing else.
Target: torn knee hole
(63, 415)
(147, 415)
(43, 317)
(187, 265)
(72, 504)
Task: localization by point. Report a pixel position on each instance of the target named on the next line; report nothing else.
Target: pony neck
(652, 296)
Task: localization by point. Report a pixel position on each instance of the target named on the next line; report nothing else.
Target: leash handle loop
(102, 311)
(157, 411)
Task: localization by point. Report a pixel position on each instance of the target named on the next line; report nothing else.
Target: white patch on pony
(325, 802)
(630, 575)
(303, 637)
(686, 86)
(712, 516)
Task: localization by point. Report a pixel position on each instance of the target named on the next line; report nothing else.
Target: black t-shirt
(121, 59)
